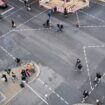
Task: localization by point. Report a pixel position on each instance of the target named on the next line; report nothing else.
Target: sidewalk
(10, 89)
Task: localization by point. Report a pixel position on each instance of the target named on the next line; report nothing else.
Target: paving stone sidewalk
(10, 89)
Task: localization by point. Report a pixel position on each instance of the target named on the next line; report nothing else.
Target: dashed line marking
(61, 98)
(85, 55)
(36, 93)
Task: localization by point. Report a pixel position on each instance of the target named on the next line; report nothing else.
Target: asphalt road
(57, 51)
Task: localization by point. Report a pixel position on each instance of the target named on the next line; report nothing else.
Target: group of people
(11, 73)
(98, 76)
(79, 66)
(28, 6)
(25, 73)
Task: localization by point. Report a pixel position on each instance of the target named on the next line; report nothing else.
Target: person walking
(49, 14)
(28, 7)
(85, 94)
(97, 102)
(4, 77)
(65, 12)
(60, 27)
(14, 77)
(25, 2)
(47, 23)
(18, 61)
(78, 65)
(55, 9)
(98, 77)
(13, 24)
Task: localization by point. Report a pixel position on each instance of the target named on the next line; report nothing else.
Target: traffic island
(10, 88)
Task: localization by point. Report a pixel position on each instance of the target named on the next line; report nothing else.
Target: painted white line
(91, 26)
(16, 94)
(92, 16)
(23, 23)
(7, 52)
(85, 55)
(4, 97)
(37, 29)
(97, 3)
(16, 11)
(13, 97)
(61, 98)
(93, 88)
(98, 46)
(7, 11)
(36, 93)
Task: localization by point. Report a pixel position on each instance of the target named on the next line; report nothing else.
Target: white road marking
(92, 16)
(13, 97)
(37, 29)
(23, 23)
(7, 52)
(7, 11)
(93, 88)
(36, 93)
(4, 97)
(17, 11)
(98, 46)
(93, 26)
(61, 98)
(97, 3)
(84, 49)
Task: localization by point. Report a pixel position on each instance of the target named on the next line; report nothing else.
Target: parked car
(3, 4)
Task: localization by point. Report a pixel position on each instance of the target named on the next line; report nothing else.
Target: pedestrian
(28, 7)
(65, 12)
(61, 27)
(8, 71)
(47, 23)
(14, 76)
(25, 2)
(55, 9)
(85, 94)
(98, 77)
(58, 27)
(78, 64)
(97, 102)
(80, 67)
(24, 76)
(13, 24)
(4, 77)
(18, 61)
(49, 14)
